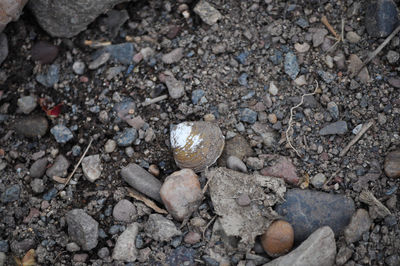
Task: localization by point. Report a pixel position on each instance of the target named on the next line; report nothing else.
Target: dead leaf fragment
(149, 203)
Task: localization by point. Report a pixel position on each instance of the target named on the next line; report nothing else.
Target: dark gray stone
(247, 115)
(38, 168)
(37, 185)
(3, 47)
(82, 228)
(197, 95)
(339, 128)
(160, 228)
(292, 68)
(124, 211)
(11, 194)
(61, 133)
(309, 210)
(381, 18)
(59, 167)
(31, 127)
(182, 256)
(21, 247)
(49, 78)
(126, 137)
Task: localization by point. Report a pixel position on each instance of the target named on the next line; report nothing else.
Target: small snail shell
(196, 145)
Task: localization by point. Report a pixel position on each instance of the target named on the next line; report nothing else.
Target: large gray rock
(125, 249)
(66, 18)
(318, 249)
(82, 229)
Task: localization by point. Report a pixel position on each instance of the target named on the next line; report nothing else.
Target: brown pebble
(192, 238)
(243, 200)
(44, 52)
(153, 169)
(272, 118)
(392, 164)
(278, 239)
(209, 117)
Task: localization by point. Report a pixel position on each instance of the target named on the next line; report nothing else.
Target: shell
(196, 145)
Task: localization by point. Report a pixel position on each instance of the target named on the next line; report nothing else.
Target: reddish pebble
(44, 52)
(278, 239)
(282, 167)
(243, 200)
(192, 238)
(83, 79)
(173, 31)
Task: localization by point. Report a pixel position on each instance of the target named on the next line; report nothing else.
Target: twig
(325, 21)
(287, 133)
(96, 44)
(377, 51)
(154, 100)
(341, 39)
(356, 138)
(79, 162)
(209, 223)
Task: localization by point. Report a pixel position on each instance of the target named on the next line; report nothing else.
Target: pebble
(343, 255)
(103, 253)
(125, 249)
(395, 82)
(236, 164)
(336, 128)
(247, 115)
(243, 79)
(82, 229)
(141, 180)
(59, 167)
(99, 61)
(148, 53)
(44, 52)
(292, 68)
(73, 247)
(329, 61)
(181, 193)
(243, 200)
(80, 257)
(255, 163)
(153, 169)
(11, 194)
(50, 194)
(126, 137)
(27, 104)
(61, 133)
(160, 228)
(112, 72)
(38, 185)
(110, 146)
(318, 180)
(359, 224)
(340, 60)
(3, 47)
(20, 248)
(218, 48)
(333, 109)
(302, 48)
(91, 166)
(333, 210)
(278, 239)
(392, 164)
(3, 255)
(319, 36)
(300, 81)
(281, 167)
(51, 77)
(38, 168)
(192, 238)
(273, 89)
(176, 88)
(78, 67)
(303, 23)
(183, 256)
(124, 211)
(392, 57)
(207, 12)
(172, 57)
(381, 18)
(354, 64)
(32, 127)
(353, 37)
(326, 76)
(4, 246)
(272, 118)
(319, 247)
(236, 146)
(121, 53)
(197, 95)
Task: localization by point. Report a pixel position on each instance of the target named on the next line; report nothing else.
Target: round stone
(278, 239)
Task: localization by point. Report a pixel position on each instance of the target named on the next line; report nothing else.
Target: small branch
(79, 162)
(325, 21)
(154, 100)
(209, 223)
(287, 133)
(96, 44)
(356, 138)
(377, 51)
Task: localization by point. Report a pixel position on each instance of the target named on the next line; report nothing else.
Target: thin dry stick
(291, 119)
(154, 100)
(356, 138)
(77, 165)
(325, 21)
(209, 223)
(377, 51)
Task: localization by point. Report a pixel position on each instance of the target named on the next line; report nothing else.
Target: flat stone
(38, 185)
(124, 211)
(121, 53)
(359, 224)
(247, 115)
(308, 210)
(125, 249)
(11, 194)
(73, 247)
(318, 249)
(61, 133)
(27, 104)
(176, 88)
(381, 18)
(59, 167)
(91, 166)
(20, 248)
(38, 168)
(172, 57)
(353, 37)
(32, 127)
(395, 82)
(44, 52)
(126, 137)
(291, 65)
(82, 228)
(336, 128)
(392, 164)
(207, 12)
(281, 167)
(99, 61)
(354, 64)
(197, 95)
(160, 228)
(192, 238)
(50, 77)
(142, 181)
(333, 109)
(319, 36)
(236, 164)
(343, 255)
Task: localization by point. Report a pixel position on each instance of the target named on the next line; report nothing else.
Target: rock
(318, 180)
(207, 12)
(236, 146)
(243, 79)
(125, 249)
(254, 163)
(3, 47)
(343, 255)
(141, 180)
(381, 18)
(176, 88)
(59, 167)
(80, 258)
(78, 67)
(182, 256)
(61, 133)
(50, 194)
(392, 164)
(10, 10)
(281, 167)
(353, 37)
(67, 18)
(236, 164)
(11, 194)
(44, 52)
(302, 48)
(124, 211)
(112, 72)
(318, 249)
(120, 53)
(392, 57)
(103, 253)
(273, 89)
(38, 168)
(319, 36)
(181, 193)
(38, 185)
(336, 128)
(359, 224)
(219, 48)
(27, 104)
(292, 68)
(247, 115)
(333, 109)
(20, 248)
(308, 210)
(82, 228)
(278, 239)
(197, 95)
(172, 57)
(99, 61)
(393, 260)
(91, 166)
(326, 76)
(160, 228)
(110, 146)
(126, 137)
(73, 247)
(300, 81)
(354, 64)
(32, 126)
(51, 76)
(192, 238)
(303, 23)
(395, 82)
